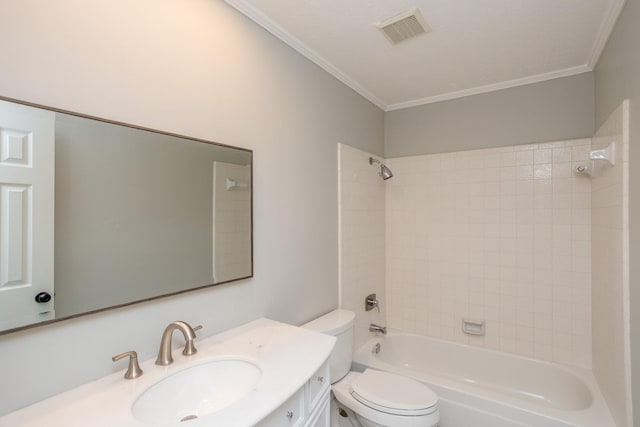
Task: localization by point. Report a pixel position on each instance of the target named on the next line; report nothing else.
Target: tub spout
(377, 328)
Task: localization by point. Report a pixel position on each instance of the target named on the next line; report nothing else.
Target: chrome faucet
(377, 328)
(164, 355)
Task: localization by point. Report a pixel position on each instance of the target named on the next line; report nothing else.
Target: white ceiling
(474, 47)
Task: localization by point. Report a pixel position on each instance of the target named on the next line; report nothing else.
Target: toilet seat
(393, 394)
(385, 415)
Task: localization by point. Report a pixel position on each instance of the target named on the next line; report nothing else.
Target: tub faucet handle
(370, 302)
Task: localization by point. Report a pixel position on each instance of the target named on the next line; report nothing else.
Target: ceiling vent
(404, 26)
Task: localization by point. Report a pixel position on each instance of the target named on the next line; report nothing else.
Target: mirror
(96, 215)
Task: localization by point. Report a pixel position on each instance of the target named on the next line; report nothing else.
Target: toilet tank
(338, 323)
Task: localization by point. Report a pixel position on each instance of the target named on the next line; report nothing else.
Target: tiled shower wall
(361, 219)
(501, 235)
(610, 263)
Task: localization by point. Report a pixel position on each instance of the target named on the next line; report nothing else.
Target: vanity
(264, 373)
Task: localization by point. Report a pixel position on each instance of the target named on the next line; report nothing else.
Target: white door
(27, 156)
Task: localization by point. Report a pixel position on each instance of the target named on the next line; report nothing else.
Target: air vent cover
(404, 26)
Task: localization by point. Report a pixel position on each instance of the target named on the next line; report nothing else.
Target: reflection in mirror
(136, 215)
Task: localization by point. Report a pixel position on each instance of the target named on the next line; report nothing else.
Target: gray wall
(617, 77)
(548, 111)
(195, 68)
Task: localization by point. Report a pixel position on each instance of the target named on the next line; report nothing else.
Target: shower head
(385, 172)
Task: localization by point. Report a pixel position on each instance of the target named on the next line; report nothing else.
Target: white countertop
(286, 355)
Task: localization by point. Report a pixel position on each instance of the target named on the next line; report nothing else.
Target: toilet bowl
(379, 399)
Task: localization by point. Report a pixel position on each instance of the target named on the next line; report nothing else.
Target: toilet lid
(393, 394)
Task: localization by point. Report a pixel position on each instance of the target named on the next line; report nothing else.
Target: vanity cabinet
(267, 371)
(307, 407)
(322, 417)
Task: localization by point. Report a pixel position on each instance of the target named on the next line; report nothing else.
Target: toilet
(379, 399)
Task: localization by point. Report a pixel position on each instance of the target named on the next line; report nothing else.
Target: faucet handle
(133, 371)
(370, 302)
(189, 346)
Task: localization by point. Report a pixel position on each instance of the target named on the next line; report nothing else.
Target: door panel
(27, 156)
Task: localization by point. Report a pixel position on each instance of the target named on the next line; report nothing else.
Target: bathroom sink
(237, 378)
(196, 392)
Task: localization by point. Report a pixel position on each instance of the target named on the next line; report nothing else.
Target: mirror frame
(157, 297)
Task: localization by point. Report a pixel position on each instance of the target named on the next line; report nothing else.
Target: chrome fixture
(585, 169)
(607, 154)
(133, 371)
(385, 172)
(377, 328)
(164, 355)
(370, 302)
(376, 348)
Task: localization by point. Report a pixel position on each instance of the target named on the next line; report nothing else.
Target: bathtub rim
(597, 414)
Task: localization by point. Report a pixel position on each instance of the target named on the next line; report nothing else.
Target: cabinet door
(27, 156)
(318, 384)
(324, 416)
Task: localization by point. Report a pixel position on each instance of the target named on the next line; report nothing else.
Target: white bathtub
(479, 387)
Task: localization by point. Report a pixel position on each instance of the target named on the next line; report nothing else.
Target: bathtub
(485, 388)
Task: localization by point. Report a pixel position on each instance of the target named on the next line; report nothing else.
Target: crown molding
(605, 30)
(491, 87)
(267, 23)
